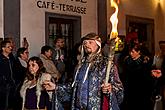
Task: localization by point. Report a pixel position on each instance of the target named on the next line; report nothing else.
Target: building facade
(40, 21)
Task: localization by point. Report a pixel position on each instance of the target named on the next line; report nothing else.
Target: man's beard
(88, 51)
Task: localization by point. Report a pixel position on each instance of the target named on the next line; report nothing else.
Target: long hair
(39, 71)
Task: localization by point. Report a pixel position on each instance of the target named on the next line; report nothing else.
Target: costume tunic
(87, 93)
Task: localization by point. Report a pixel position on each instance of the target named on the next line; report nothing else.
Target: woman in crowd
(137, 80)
(34, 96)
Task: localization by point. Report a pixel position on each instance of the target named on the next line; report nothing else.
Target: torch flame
(114, 20)
(113, 39)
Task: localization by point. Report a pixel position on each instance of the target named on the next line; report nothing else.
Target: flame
(114, 20)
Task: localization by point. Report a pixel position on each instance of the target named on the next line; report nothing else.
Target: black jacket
(7, 72)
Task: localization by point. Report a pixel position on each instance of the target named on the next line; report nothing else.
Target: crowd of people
(39, 82)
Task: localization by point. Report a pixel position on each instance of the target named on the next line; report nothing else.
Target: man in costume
(90, 92)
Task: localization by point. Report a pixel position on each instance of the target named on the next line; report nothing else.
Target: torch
(113, 38)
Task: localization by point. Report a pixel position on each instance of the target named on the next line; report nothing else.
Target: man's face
(60, 43)
(25, 55)
(8, 48)
(48, 53)
(90, 46)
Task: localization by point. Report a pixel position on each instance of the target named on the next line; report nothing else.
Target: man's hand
(49, 86)
(106, 88)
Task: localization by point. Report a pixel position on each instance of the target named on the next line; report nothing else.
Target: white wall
(1, 19)
(154, 9)
(33, 20)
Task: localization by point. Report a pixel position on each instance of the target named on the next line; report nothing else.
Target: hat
(92, 36)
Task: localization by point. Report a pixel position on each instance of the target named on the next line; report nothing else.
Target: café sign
(54, 5)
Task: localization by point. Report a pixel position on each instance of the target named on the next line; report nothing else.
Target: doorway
(144, 27)
(66, 26)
